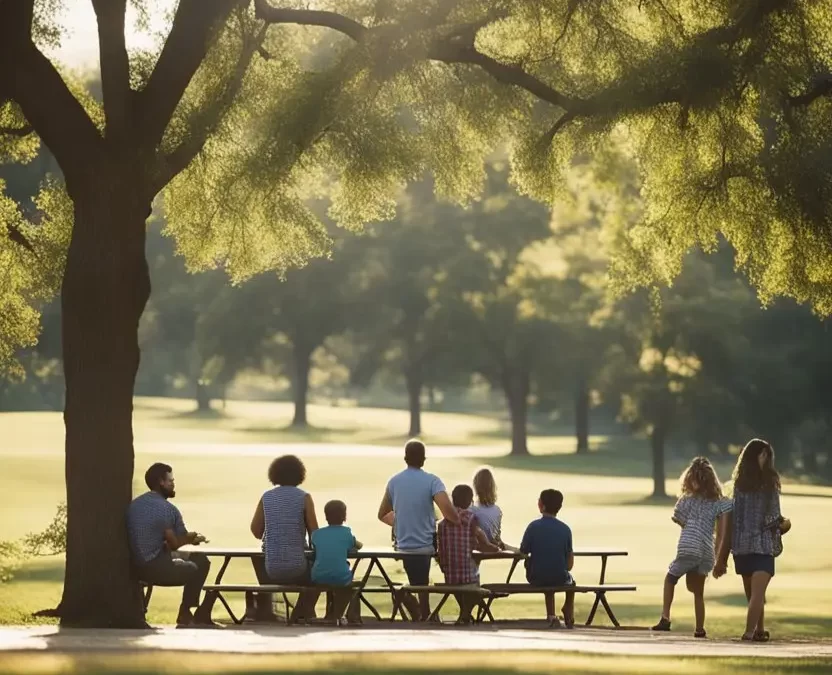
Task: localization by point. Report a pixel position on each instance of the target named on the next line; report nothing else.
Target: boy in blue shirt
(332, 545)
(548, 544)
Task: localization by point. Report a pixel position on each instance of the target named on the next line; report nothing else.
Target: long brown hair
(700, 480)
(748, 476)
(485, 487)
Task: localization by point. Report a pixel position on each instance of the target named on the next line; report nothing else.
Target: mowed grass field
(493, 663)
(220, 464)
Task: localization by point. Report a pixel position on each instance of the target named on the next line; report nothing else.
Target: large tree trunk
(302, 363)
(106, 286)
(657, 440)
(203, 397)
(414, 399)
(516, 388)
(582, 417)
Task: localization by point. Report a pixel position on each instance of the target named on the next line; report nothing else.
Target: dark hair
(485, 487)
(748, 476)
(700, 480)
(414, 454)
(156, 474)
(335, 512)
(552, 501)
(462, 496)
(287, 470)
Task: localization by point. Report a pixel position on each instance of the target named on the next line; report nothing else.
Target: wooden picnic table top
(386, 553)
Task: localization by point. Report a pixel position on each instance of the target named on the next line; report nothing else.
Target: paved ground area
(279, 639)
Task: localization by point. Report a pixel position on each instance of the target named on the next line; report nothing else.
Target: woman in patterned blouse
(757, 526)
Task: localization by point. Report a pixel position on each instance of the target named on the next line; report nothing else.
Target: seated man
(155, 529)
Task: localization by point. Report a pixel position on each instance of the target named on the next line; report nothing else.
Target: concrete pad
(281, 639)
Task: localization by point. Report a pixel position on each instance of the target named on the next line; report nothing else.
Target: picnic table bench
(375, 559)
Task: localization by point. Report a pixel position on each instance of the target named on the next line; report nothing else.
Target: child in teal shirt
(332, 545)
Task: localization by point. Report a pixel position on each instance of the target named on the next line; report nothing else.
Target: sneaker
(554, 622)
(663, 626)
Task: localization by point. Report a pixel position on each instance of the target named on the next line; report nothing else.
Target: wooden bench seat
(282, 589)
(600, 591)
(481, 593)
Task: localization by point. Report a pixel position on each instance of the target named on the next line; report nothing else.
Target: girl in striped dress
(701, 508)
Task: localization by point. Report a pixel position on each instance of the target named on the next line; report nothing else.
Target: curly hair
(749, 476)
(287, 470)
(700, 480)
(485, 487)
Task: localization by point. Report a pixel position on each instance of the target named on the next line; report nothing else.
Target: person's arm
(177, 535)
(385, 509)
(570, 554)
(176, 541)
(482, 541)
(724, 534)
(309, 516)
(446, 508)
(680, 514)
(526, 542)
(498, 530)
(258, 521)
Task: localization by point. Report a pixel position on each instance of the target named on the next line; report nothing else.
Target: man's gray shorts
(682, 566)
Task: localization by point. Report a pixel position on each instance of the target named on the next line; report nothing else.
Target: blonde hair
(485, 487)
(700, 480)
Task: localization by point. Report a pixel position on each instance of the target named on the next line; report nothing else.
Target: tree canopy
(245, 109)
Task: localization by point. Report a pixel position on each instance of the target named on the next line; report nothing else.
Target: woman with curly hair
(757, 527)
(700, 508)
(284, 519)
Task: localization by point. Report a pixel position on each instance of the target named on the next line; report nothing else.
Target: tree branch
(822, 86)
(194, 26)
(184, 153)
(115, 65)
(310, 17)
(448, 52)
(29, 79)
(16, 131)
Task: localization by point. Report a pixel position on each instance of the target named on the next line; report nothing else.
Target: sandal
(761, 636)
(700, 634)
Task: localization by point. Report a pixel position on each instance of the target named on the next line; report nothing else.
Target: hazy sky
(79, 47)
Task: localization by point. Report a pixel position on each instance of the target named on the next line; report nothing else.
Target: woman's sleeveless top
(284, 540)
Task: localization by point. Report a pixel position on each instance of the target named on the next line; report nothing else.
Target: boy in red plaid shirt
(456, 543)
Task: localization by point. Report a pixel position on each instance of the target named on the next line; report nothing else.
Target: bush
(52, 541)
(10, 559)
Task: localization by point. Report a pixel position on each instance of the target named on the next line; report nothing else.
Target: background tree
(404, 323)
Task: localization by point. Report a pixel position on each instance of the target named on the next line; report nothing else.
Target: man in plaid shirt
(456, 543)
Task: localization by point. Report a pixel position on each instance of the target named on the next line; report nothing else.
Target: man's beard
(168, 494)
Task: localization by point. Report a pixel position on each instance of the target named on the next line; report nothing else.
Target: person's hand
(199, 538)
(785, 525)
(720, 569)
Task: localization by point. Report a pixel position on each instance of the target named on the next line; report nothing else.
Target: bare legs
(669, 592)
(755, 590)
(696, 585)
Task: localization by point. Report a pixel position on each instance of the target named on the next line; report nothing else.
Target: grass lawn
(220, 464)
(494, 663)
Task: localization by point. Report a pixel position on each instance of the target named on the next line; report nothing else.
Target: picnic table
(376, 557)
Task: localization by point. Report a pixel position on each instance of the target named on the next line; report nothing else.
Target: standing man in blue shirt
(155, 529)
(408, 506)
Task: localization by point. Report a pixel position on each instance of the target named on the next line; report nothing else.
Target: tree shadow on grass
(48, 569)
(289, 432)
